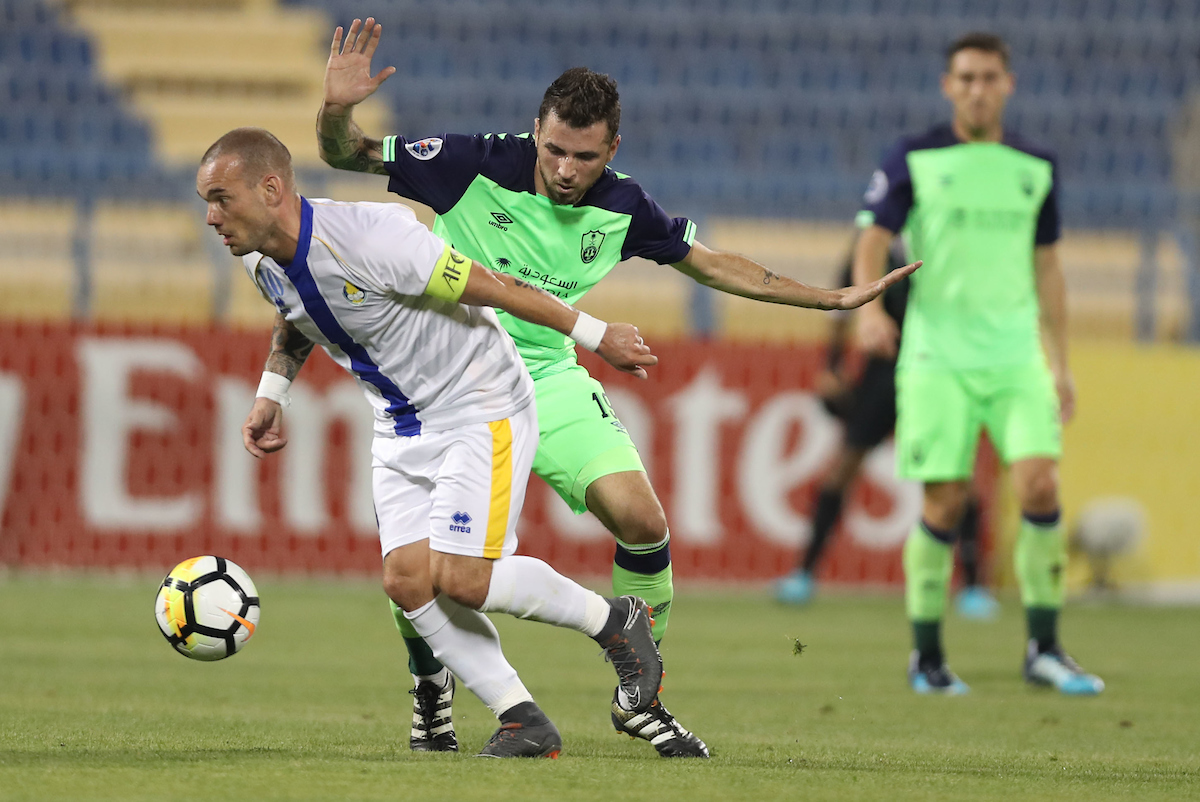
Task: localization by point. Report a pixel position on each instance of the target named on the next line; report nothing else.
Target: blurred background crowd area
(760, 119)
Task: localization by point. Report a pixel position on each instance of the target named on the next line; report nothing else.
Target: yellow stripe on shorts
(497, 528)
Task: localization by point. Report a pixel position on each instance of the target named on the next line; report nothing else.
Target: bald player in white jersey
(456, 426)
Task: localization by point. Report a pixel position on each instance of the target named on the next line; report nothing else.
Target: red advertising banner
(122, 447)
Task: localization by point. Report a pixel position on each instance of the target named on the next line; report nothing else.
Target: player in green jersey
(547, 208)
(984, 346)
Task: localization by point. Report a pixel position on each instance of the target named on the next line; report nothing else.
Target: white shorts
(462, 488)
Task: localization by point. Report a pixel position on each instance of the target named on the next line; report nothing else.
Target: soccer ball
(207, 608)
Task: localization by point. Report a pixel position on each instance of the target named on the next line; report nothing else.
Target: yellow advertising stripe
(497, 526)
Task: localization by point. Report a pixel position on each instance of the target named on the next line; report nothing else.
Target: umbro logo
(461, 519)
(500, 220)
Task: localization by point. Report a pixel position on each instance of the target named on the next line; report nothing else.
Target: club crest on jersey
(353, 294)
(424, 149)
(589, 248)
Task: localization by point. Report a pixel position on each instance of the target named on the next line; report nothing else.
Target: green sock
(420, 657)
(1043, 627)
(928, 562)
(645, 571)
(1041, 562)
(927, 640)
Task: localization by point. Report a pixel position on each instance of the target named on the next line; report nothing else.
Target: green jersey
(973, 211)
(482, 189)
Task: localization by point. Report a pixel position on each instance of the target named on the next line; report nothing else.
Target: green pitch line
(95, 705)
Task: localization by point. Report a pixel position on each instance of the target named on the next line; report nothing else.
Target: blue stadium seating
(783, 107)
(64, 132)
(779, 107)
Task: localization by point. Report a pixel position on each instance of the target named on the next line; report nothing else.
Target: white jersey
(359, 286)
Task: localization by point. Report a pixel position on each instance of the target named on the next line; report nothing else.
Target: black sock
(527, 714)
(615, 623)
(825, 516)
(968, 544)
(1043, 627)
(420, 658)
(927, 638)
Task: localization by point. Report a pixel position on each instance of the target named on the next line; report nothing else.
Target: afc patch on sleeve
(877, 189)
(424, 149)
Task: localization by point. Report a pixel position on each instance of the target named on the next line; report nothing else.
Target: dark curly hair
(978, 40)
(581, 98)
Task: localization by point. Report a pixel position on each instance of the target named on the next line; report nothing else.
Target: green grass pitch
(95, 705)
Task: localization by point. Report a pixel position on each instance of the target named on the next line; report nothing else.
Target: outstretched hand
(348, 79)
(623, 348)
(854, 297)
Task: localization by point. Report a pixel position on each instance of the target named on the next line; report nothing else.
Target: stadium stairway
(111, 133)
(199, 70)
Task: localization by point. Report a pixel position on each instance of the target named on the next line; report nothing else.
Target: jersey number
(604, 413)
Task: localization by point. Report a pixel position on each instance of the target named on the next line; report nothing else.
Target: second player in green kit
(984, 348)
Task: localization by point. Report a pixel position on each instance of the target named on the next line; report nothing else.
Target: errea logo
(461, 519)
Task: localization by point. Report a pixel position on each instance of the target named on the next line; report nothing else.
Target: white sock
(466, 643)
(441, 678)
(529, 588)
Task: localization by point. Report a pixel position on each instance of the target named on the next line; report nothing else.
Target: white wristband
(274, 387)
(588, 331)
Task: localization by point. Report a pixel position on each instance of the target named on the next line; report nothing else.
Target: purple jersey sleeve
(435, 171)
(1049, 224)
(889, 196)
(655, 236)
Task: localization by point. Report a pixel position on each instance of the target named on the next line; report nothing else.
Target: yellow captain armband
(449, 277)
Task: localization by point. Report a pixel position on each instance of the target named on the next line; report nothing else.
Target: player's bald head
(257, 151)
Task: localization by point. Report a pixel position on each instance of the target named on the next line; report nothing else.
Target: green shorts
(940, 413)
(580, 439)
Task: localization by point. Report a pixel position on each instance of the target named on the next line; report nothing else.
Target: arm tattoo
(289, 349)
(519, 283)
(344, 146)
(770, 275)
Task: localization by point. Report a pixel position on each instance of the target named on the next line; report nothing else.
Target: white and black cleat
(660, 728)
(433, 725)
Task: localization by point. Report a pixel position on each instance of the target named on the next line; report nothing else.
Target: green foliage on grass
(95, 705)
